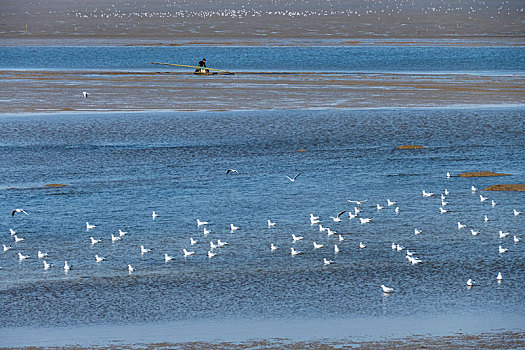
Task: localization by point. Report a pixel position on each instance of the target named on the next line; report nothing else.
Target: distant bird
(94, 241)
(167, 257)
(443, 203)
(322, 229)
(378, 207)
(18, 239)
(460, 225)
(327, 262)
(502, 250)
(18, 211)
(296, 238)
(192, 241)
(516, 240)
(99, 258)
(41, 255)
(364, 220)
(442, 211)
(387, 289)
(427, 194)
(341, 238)
(493, 203)
(515, 212)
(338, 217)
(144, 250)
(399, 247)
(474, 189)
(446, 192)
(336, 249)
(503, 234)
(361, 245)
(121, 233)
(499, 278)
(22, 257)
(154, 215)
(394, 246)
(294, 252)
(409, 253)
(200, 223)
(206, 231)
(396, 210)
(115, 238)
(270, 224)
(273, 247)
(351, 215)
(221, 243)
(130, 269)
(294, 178)
(232, 171)
(318, 246)
(471, 283)
(360, 203)
(89, 227)
(213, 245)
(330, 232)
(233, 228)
(390, 203)
(211, 255)
(187, 253)
(416, 231)
(13, 232)
(448, 175)
(486, 218)
(85, 93)
(46, 265)
(481, 198)
(313, 217)
(474, 233)
(6, 248)
(66, 267)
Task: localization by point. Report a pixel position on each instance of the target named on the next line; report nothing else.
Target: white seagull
(361, 245)
(221, 244)
(503, 234)
(273, 247)
(470, 283)
(360, 203)
(200, 223)
(232, 171)
(206, 232)
(318, 246)
(515, 212)
(390, 203)
(378, 207)
(18, 239)
(516, 240)
(294, 252)
(336, 249)
(46, 265)
(85, 93)
(167, 257)
(486, 218)
(144, 250)
(94, 241)
(386, 289)
(327, 262)
(338, 217)
(482, 199)
(192, 241)
(493, 203)
(442, 211)
(187, 253)
(114, 238)
(502, 250)
(18, 211)
(499, 278)
(211, 255)
(89, 227)
(365, 220)
(99, 258)
(22, 257)
(13, 232)
(460, 225)
(6, 248)
(427, 194)
(294, 178)
(448, 175)
(416, 231)
(341, 238)
(66, 267)
(233, 228)
(296, 238)
(213, 245)
(270, 224)
(154, 215)
(474, 189)
(121, 233)
(474, 233)
(130, 269)
(41, 255)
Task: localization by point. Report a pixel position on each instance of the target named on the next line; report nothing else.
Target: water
(120, 167)
(277, 59)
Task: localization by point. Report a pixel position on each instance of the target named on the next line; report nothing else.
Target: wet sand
(59, 91)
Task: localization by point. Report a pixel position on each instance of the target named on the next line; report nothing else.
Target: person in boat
(202, 65)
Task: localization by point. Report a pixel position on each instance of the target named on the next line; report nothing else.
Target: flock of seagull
(215, 246)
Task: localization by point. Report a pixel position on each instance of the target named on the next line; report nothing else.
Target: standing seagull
(294, 178)
(18, 211)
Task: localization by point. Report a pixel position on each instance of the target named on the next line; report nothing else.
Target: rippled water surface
(121, 167)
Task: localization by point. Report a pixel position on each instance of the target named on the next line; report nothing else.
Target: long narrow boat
(199, 70)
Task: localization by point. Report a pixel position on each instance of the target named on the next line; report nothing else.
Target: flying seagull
(18, 211)
(85, 93)
(232, 171)
(294, 178)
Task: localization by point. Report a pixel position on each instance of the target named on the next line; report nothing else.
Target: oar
(198, 67)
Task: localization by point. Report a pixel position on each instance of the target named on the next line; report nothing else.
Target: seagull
(211, 255)
(446, 192)
(18, 239)
(470, 283)
(448, 175)
(154, 215)
(213, 245)
(18, 211)
(341, 238)
(114, 238)
(144, 250)
(336, 249)
(192, 241)
(296, 238)
(313, 217)
(6, 248)
(474, 189)
(167, 257)
(221, 244)
(394, 246)
(409, 253)
(187, 253)
(338, 217)
(387, 289)
(360, 203)
(379, 207)
(22, 257)
(94, 241)
(130, 269)
(318, 246)
(46, 265)
(390, 203)
(351, 215)
(442, 211)
(416, 231)
(200, 223)
(414, 261)
(396, 210)
(327, 262)
(322, 229)
(460, 225)
(443, 203)
(270, 224)
(99, 258)
(233, 228)
(361, 245)
(516, 213)
(474, 233)
(499, 278)
(427, 194)
(482, 199)
(330, 232)
(503, 234)
(232, 171)
(516, 240)
(273, 247)
(41, 255)
(121, 233)
(85, 93)
(206, 232)
(294, 252)
(486, 218)
(365, 221)
(314, 221)
(398, 247)
(502, 250)
(493, 203)
(66, 267)
(294, 178)
(13, 232)
(89, 227)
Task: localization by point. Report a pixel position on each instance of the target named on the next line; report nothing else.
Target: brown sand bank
(56, 91)
(482, 174)
(410, 147)
(484, 341)
(506, 187)
(262, 22)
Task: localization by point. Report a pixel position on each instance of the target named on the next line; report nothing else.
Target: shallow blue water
(318, 59)
(120, 167)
